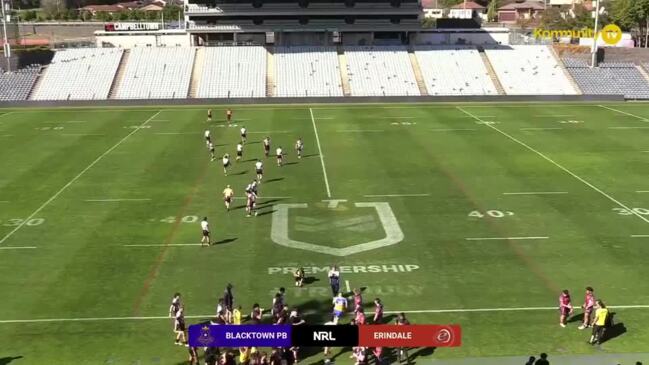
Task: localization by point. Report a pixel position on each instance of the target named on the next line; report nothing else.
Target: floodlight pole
(593, 62)
(6, 46)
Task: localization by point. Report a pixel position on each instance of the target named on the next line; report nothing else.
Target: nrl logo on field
(363, 223)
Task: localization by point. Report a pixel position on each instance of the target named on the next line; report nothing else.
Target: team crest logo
(444, 336)
(205, 337)
(393, 233)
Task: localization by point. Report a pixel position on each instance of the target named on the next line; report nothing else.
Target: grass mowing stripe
(117, 200)
(625, 113)
(93, 163)
(451, 129)
(317, 139)
(644, 127)
(541, 129)
(423, 311)
(506, 238)
(538, 193)
(393, 195)
(155, 269)
(609, 197)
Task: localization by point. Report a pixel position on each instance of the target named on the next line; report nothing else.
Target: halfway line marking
(506, 238)
(458, 310)
(162, 245)
(173, 133)
(269, 132)
(18, 248)
(93, 163)
(538, 193)
(317, 139)
(609, 197)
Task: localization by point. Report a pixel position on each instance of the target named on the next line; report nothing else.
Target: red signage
(410, 336)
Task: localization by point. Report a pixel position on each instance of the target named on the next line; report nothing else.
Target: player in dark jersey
(193, 355)
(402, 351)
(256, 314)
(228, 300)
(266, 143)
(180, 327)
(228, 115)
(278, 301)
(251, 204)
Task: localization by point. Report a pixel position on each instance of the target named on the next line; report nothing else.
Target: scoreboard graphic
(205, 335)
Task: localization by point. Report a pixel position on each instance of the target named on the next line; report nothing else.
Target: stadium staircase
(197, 71)
(270, 72)
(37, 84)
(643, 72)
(492, 72)
(554, 53)
(119, 75)
(344, 78)
(421, 84)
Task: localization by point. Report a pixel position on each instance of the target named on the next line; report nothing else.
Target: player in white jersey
(206, 232)
(239, 151)
(226, 163)
(210, 146)
(244, 134)
(266, 146)
(280, 155)
(228, 194)
(299, 147)
(208, 137)
(259, 166)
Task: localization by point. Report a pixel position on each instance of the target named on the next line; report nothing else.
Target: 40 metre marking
(491, 213)
(185, 219)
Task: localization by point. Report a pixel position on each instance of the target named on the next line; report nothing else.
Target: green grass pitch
(491, 209)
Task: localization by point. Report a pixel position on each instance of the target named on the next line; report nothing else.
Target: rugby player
(589, 304)
(209, 115)
(402, 351)
(280, 156)
(236, 315)
(174, 308)
(259, 167)
(193, 355)
(358, 299)
(239, 151)
(378, 311)
(228, 194)
(210, 146)
(228, 115)
(256, 314)
(205, 241)
(340, 305)
(251, 204)
(278, 301)
(565, 307)
(266, 143)
(208, 137)
(228, 301)
(244, 134)
(226, 163)
(599, 324)
(296, 320)
(334, 280)
(299, 277)
(299, 147)
(180, 327)
(360, 315)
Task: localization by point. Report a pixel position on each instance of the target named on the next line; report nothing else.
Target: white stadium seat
(230, 72)
(307, 71)
(380, 71)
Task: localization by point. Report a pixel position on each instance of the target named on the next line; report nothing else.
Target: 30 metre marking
(317, 139)
(625, 113)
(206, 316)
(514, 139)
(93, 163)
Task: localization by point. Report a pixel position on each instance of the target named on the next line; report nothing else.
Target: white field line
(5, 114)
(481, 116)
(93, 163)
(625, 113)
(451, 129)
(118, 200)
(506, 238)
(325, 118)
(643, 127)
(317, 139)
(393, 195)
(537, 193)
(347, 286)
(541, 129)
(423, 311)
(640, 235)
(360, 130)
(162, 244)
(642, 191)
(269, 132)
(76, 121)
(17, 247)
(585, 182)
(4, 201)
(7, 135)
(161, 120)
(392, 117)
